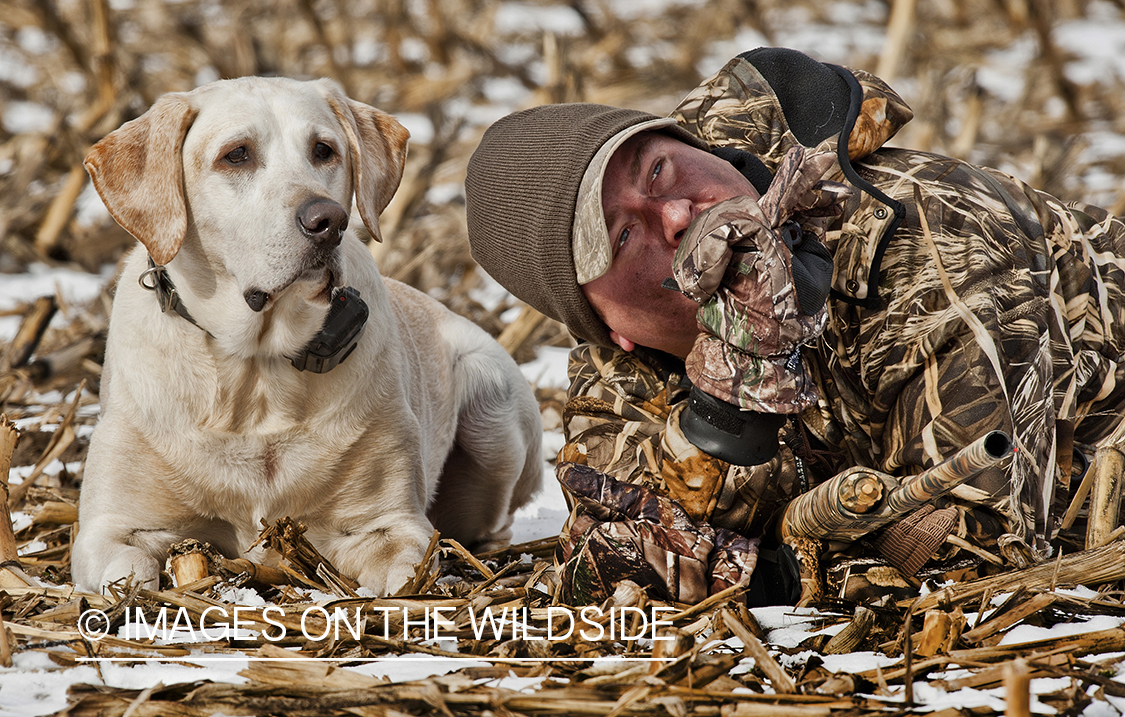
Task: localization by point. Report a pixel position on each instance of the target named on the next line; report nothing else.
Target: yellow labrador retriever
(257, 365)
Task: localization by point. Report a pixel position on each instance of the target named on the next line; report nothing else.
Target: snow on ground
(74, 287)
(547, 511)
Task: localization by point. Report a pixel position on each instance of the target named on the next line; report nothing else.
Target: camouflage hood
(786, 98)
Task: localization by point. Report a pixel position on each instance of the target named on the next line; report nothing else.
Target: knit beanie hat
(521, 192)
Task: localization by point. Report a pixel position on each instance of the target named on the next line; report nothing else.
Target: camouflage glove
(761, 278)
(630, 532)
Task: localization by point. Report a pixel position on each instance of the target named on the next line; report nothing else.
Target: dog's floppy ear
(378, 147)
(138, 172)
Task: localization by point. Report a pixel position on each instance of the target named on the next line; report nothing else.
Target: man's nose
(676, 216)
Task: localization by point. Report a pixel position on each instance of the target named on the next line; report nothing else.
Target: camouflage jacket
(963, 301)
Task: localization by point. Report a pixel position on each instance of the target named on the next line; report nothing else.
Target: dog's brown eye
(237, 155)
(322, 151)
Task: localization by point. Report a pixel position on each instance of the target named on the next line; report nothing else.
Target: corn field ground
(1032, 87)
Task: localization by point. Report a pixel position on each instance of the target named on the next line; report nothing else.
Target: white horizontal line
(419, 658)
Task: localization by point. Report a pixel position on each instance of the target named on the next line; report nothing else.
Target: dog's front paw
(382, 557)
(388, 579)
(129, 563)
(388, 559)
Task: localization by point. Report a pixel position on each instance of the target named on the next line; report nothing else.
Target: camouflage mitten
(761, 278)
(630, 532)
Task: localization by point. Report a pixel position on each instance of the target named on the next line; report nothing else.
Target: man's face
(654, 186)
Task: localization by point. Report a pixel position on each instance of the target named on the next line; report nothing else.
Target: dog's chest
(275, 463)
(282, 474)
(267, 430)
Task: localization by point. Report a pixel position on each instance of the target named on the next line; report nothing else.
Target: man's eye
(622, 237)
(656, 170)
(238, 155)
(322, 151)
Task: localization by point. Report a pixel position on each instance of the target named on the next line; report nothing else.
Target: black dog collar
(156, 278)
(338, 337)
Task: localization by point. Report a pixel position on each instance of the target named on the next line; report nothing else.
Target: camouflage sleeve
(1003, 312)
(622, 417)
(632, 532)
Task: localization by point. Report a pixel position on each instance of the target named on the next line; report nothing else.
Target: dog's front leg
(109, 548)
(131, 511)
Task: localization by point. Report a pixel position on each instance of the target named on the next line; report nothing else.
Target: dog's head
(261, 170)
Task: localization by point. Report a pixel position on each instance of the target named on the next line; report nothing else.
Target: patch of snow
(853, 662)
(32, 39)
(548, 369)
(20, 520)
(89, 210)
(445, 193)
(633, 9)
(1098, 43)
(505, 90)
(520, 18)
(35, 686)
(544, 516)
(489, 293)
(22, 117)
(33, 547)
(419, 125)
(1003, 73)
(76, 287)
(13, 69)
(205, 75)
(787, 626)
(966, 697)
(17, 474)
(410, 667)
(1030, 633)
(719, 53)
(828, 43)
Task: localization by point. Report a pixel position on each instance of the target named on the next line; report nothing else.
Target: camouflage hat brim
(593, 252)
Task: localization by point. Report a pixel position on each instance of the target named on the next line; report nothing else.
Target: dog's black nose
(322, 220)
